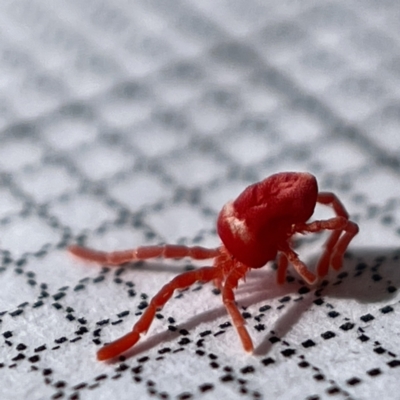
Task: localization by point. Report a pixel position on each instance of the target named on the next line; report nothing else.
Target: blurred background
(131, 123)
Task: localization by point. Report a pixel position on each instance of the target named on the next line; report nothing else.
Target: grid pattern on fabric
(132, 123)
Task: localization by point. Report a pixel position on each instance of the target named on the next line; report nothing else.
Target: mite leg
(298, 265)
(335, 250)
(330, 199)
(143, 253)
(182, 281)
(228, 296)
(324, 261)
(336, 225)
(341, 246)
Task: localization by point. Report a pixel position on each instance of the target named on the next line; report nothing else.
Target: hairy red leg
(223, 262)
(282, 268)
(182, 281)
(298, 265)
(342, 244)
(337, 225)
(330, 199)
(325, 259)
(335, 249)
(142, 253)
(228, 296)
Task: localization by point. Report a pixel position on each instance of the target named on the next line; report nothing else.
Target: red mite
(255, 228)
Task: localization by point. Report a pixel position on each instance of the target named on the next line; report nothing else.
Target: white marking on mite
(237, 226)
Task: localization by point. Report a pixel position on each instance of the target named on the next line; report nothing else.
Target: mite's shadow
(367, 276)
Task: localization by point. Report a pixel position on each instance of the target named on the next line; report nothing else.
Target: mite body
(255, 228)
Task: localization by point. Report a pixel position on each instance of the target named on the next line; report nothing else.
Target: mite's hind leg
(182, 281)
(143, 253)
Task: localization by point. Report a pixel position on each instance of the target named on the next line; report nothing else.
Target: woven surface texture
(131, 123)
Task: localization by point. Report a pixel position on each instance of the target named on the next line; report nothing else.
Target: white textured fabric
(132, 123)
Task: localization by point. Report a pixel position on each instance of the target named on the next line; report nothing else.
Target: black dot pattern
(132, 125)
